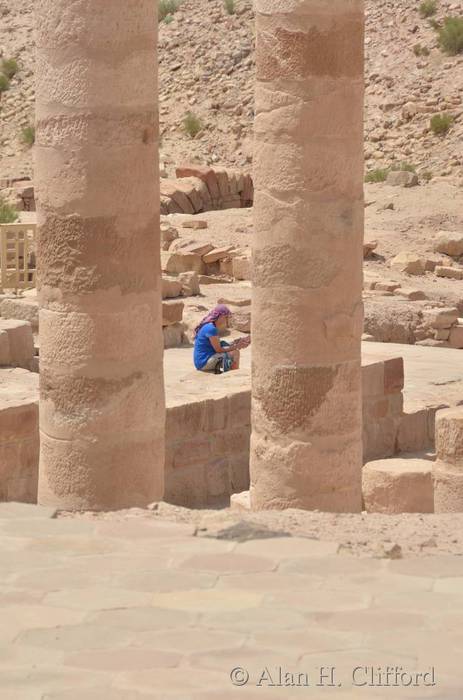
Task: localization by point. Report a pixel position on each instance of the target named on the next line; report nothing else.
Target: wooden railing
(17, 256)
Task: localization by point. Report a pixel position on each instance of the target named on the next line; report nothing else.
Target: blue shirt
(203, 349)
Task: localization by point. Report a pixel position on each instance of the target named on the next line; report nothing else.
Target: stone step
(401, 484)
(16, 343)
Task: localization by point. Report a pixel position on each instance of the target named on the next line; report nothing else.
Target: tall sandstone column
(306, 449)
(101, 385)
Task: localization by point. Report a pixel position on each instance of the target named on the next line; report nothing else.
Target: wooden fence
(17, 256)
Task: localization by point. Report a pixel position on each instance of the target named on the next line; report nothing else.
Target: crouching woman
(210, 353)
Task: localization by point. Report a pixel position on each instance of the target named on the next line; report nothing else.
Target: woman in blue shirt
(209, 352)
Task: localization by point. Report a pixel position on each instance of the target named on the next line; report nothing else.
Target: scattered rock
(195, 224)
(190, 284)
(409, 263)
(455, 273)
(402, 178)
(449, 243)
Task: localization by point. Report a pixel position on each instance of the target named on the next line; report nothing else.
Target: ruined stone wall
(207, 442)
(207, 450)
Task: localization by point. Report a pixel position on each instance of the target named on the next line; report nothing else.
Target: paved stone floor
(132, 609)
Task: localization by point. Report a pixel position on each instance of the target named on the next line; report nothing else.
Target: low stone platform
(208, 416)
(140, 609)
(401, 484)
(19, 435)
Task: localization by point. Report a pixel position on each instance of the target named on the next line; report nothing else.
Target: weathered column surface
(448, 467)
(306, 447)
(101, 395)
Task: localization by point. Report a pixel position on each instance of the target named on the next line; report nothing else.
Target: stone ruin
(107, 439)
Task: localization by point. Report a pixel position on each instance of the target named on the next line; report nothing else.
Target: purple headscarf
(220, 310)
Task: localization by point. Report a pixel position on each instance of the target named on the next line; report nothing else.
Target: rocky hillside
(206, 70)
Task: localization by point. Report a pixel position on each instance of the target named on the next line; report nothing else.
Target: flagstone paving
(143, 609)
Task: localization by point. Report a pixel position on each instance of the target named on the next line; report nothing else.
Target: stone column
(448, 467)
(306, 449)
(101, 385)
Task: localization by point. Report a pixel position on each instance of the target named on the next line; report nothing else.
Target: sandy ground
(360, 535)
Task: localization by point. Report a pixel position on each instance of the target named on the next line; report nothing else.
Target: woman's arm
(215, 342)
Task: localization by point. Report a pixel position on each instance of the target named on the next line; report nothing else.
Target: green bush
(167, 9)
(9, 67)
(28, 135)
(230, 6)
(8, 214)
(441, 123)
(192, 124)
(408, 167)
(377, 175)
(451, 35)
(4, 83)
(427, 176)
(428, 8)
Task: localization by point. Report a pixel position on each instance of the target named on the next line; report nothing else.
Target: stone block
(240, 502)
(185, 421)
(455, 273)
(449, 243)
(168, 235)
(442, 333)
(239, 408)
(170, 188)
(432, 343)
(188, 187)
(173, 335)
(240, 320)
(217, 254)
(209, 279)
(195, 224)
(226, 267)
(410, 294)
(181, 261)
(456, 337)
(5, 357)
(217, 477)
(188, 246)
(448, 488)
(231, 202)
(171, 287)
(242, 268)
(413, 434)
(393, 375)
(205, 174)
(190, 283)
(172, 312)
(440, 317)
(192, 452)
(240, 302)
(224, 185)
(186, 487)
(368, 248)
(402, 178)
(386, 286)
(410, 263)
(19, 435)
(21, 309)
(398, 485)
(239, 470)
(373, 379)
(21, 342)
(379, 436)
(449, 436)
